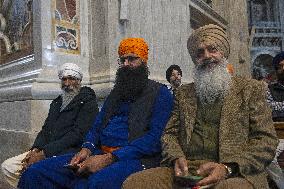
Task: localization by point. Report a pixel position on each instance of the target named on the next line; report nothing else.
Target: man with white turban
(70, 116)
(220, 131)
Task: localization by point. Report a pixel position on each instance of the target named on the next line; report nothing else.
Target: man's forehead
(205, 45)
(175, 71)
(68, 77)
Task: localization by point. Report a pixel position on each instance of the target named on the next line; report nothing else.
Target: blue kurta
(50, 173)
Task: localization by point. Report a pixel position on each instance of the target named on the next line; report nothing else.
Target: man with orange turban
(220, 134)
(125, 137)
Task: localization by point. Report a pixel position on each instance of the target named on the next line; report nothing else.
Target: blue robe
(51, 173)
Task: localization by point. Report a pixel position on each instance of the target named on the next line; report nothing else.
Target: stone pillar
(235, 12)
(281, 18)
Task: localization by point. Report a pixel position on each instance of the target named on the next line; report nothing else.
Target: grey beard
(67, 97)
(212, 84)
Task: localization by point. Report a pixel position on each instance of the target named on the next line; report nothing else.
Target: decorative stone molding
(201, 14)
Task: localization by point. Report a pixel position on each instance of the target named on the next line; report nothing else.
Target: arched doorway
(263, 69)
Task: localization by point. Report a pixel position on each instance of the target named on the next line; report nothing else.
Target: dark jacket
(275, 98)
(64, 131)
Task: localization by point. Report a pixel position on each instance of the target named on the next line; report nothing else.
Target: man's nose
(206, 54)
(126, 62)
(67, 81)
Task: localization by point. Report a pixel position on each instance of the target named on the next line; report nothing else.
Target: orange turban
(134, 45)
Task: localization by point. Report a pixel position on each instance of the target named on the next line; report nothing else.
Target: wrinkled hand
(32, 157)
(181, 167)
(95, 163)
(80, 156)
(215, 172)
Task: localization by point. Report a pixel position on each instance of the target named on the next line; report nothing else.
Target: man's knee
(7, 166)
(4, 167)
(234, 183)
(160, 177)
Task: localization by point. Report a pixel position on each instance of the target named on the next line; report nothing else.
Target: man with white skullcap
(70, 116)
(220, 134)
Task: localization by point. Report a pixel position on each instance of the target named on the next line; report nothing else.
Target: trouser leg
(49, 173)
(234, 183)
(158, 178)
(11, 169)
(113, 176)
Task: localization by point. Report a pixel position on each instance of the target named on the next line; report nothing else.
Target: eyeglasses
(121, 60)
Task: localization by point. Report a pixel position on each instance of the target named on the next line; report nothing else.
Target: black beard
(130, 82)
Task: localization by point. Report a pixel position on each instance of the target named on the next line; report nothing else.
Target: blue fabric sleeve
(90, 141)
(150, 142)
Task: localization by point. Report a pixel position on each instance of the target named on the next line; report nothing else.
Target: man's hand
(215, 172)
(95, 163)
(181, 167)
(80, 156)
(32, 157)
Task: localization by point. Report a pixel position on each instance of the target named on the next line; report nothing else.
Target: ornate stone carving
(5, 47)
(15, 30)
(66, 26)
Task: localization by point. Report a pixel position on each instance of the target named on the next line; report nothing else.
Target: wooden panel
(279, 127)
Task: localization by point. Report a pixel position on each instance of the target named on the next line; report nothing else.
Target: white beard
(212, 84)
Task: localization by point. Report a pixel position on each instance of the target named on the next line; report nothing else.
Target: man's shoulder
(245, 83)
(87, 92)
(185, 88)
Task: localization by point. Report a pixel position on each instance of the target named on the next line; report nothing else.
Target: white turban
(70, 69)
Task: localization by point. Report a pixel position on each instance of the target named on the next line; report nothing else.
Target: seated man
(220, 128)
(70, 117)
(173, 76)
(125, 137)
(276, 90)
(275, 98)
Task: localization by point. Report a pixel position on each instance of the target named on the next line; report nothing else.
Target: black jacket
(64, 131)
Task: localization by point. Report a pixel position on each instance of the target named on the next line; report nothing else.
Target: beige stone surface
(235, 12)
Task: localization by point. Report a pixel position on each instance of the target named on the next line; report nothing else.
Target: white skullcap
(70, 69)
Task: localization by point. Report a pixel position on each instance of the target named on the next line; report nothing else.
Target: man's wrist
(232, 169)
(229, 171)
(35, 150)
(114, 158)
